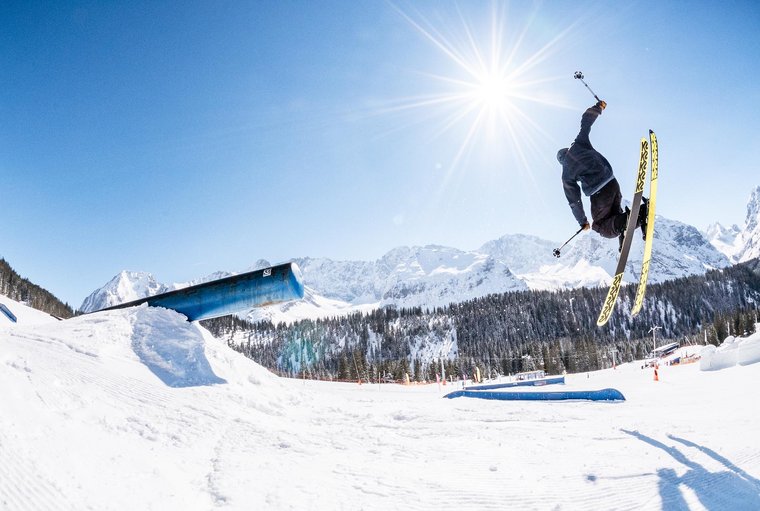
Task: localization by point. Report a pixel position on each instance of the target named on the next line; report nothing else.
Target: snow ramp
(585, 395)
(172, 349)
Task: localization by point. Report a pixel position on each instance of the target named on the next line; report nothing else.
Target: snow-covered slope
(138, 409)
(23, 314)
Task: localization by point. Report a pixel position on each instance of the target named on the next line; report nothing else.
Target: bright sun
(489, 85)
(491, 91)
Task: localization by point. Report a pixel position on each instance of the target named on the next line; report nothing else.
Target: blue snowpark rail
(586, 395)
(230, 295)
(524, 383)
(5, 310)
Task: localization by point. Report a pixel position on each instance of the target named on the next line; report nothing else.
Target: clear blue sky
(182, 138)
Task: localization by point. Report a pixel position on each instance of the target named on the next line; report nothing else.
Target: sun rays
(485, 94)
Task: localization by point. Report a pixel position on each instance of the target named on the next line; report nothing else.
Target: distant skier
(582, 163)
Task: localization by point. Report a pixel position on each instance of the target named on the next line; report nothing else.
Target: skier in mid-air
(582, 163)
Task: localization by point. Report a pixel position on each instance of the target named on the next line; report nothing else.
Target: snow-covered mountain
(406, 277)
(434, 276)
(680, 250)
(723, 238)
(428, 276)
(128, 286)
(739, 244)
(208, 278)
(124, 287)
(411, 276)
(751, 235)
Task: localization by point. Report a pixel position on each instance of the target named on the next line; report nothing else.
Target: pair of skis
(648, 150)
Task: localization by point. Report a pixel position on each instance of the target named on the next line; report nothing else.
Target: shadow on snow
(176, 355)
(732, 489)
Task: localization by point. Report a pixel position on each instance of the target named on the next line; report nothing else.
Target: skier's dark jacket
(581, 162)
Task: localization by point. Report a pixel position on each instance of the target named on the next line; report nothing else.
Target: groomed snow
(137, 409)
(24, 314)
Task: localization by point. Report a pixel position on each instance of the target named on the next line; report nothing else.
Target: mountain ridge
(434, 275)
(739, 244)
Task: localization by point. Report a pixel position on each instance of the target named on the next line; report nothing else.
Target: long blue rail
(5, 310)
(231, 294)
(590, 395)
(523, 383)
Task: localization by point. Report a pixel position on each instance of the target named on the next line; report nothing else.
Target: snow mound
(125, 409)
(749, 350)
(160, 339)
(731, 352)
(170, 347)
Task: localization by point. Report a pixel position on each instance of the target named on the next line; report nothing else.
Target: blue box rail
(5, 310)
(553, 380)
(589, 395)
(230, 295)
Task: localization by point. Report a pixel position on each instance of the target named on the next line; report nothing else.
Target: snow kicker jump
(587, 395)
(230, 295)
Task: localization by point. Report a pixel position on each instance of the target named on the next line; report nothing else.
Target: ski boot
(643, 217)
(621, 228)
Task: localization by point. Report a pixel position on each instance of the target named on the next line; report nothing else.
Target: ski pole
(556, 250)
(579, 76)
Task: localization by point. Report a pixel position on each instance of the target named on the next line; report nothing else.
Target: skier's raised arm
(586, 172)
(588, 118)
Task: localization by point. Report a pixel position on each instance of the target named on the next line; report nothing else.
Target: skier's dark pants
(606, 213)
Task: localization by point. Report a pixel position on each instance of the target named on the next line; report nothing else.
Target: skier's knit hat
(561, 154)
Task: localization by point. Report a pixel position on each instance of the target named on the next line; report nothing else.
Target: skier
(582, 163)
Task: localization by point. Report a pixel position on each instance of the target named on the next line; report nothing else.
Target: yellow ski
(650, 228)
(612, 294)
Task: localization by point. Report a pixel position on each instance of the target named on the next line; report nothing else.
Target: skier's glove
(601, 104)
(586, 226)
